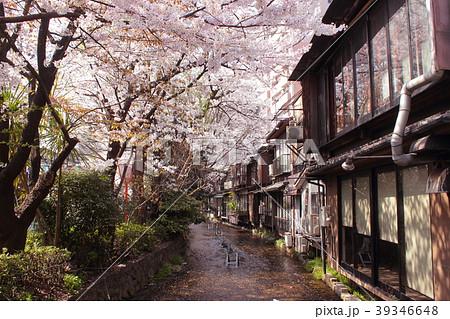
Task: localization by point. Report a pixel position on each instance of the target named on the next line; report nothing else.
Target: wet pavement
(264, 272)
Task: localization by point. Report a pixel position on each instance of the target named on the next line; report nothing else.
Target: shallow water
(264, 272)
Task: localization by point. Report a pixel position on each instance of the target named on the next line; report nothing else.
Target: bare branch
(192, 14)
(39, 16)
(104, 3)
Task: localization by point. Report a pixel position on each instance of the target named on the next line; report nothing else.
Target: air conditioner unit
(271, 170)
(228, 185)
(294, 132)
(324, 216)
(288, 239)
(304, 225)
(301, 245)
(313, 223)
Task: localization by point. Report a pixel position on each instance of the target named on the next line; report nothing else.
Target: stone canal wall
(124, 279)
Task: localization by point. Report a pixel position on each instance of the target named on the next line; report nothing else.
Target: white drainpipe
(408, 88)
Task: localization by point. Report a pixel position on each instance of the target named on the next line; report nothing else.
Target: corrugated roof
(339, 12)
(319, 45)
(343, 11)
(279, 129)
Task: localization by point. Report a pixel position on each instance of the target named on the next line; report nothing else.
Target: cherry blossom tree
(37, 67)
(138, 71)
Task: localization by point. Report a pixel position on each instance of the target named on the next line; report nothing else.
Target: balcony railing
(282, 164)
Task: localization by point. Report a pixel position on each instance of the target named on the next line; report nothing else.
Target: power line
(132, 244)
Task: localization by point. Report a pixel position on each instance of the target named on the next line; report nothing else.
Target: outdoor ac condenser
(324, 216)
(313, 223)
(301, 244)
(294, 132)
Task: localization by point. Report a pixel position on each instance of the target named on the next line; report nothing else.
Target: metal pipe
(408, 88)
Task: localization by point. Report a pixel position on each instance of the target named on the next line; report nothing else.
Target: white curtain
(362, 207)
(387, 207)
(346, 203)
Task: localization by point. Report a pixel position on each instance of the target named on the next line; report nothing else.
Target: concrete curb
(339, 288)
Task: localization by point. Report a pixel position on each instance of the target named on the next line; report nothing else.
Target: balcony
(282, 164)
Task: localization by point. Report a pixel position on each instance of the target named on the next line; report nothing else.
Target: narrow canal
(264, 271)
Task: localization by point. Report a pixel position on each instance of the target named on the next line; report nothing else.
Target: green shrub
(315, 267)
(279, 242)
(180, 210)
(72, 283)
(127, 234)
(168, 269)
(38, 273)
(310, 265)
(176, 260)
(164, 272)
(90, 214)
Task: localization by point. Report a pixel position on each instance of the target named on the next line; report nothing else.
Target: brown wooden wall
(441, 24)
(332, 202)
(440, 238)
(253, 208)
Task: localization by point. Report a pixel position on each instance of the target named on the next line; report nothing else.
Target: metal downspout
(408, 88)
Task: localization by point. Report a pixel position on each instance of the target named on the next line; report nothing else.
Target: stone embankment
(125, 279)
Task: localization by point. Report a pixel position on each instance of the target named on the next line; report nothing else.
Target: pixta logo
(230, 151)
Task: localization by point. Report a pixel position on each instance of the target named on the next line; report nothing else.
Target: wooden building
(376, 100)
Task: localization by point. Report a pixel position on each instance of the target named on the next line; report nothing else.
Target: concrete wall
(124, 279)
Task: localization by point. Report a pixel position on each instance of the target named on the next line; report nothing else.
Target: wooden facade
(389, 230)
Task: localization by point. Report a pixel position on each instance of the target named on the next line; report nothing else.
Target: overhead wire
(125, 252)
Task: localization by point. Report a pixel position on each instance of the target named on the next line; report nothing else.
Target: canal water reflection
(264, 272)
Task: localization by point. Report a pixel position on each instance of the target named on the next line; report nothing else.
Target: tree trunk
(138, 183)
(58, 212)
(14, 223)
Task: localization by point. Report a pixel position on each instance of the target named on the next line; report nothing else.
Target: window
(399, 41)
(399, 196)
(388, 269)
(379, 54)
(362, 68)
(362, 205)
(386, 49)
(287, 205)
(347, 220)
(344, 88)
(421, 45)
(387, 206)
(281, 212)
(416, 207)
(347, 203)
(282, 161)
(243, 203)
(339, 94)
(347, 70)
(356, 223)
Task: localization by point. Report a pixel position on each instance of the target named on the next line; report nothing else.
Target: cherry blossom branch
(101, 45)
(191, 84)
